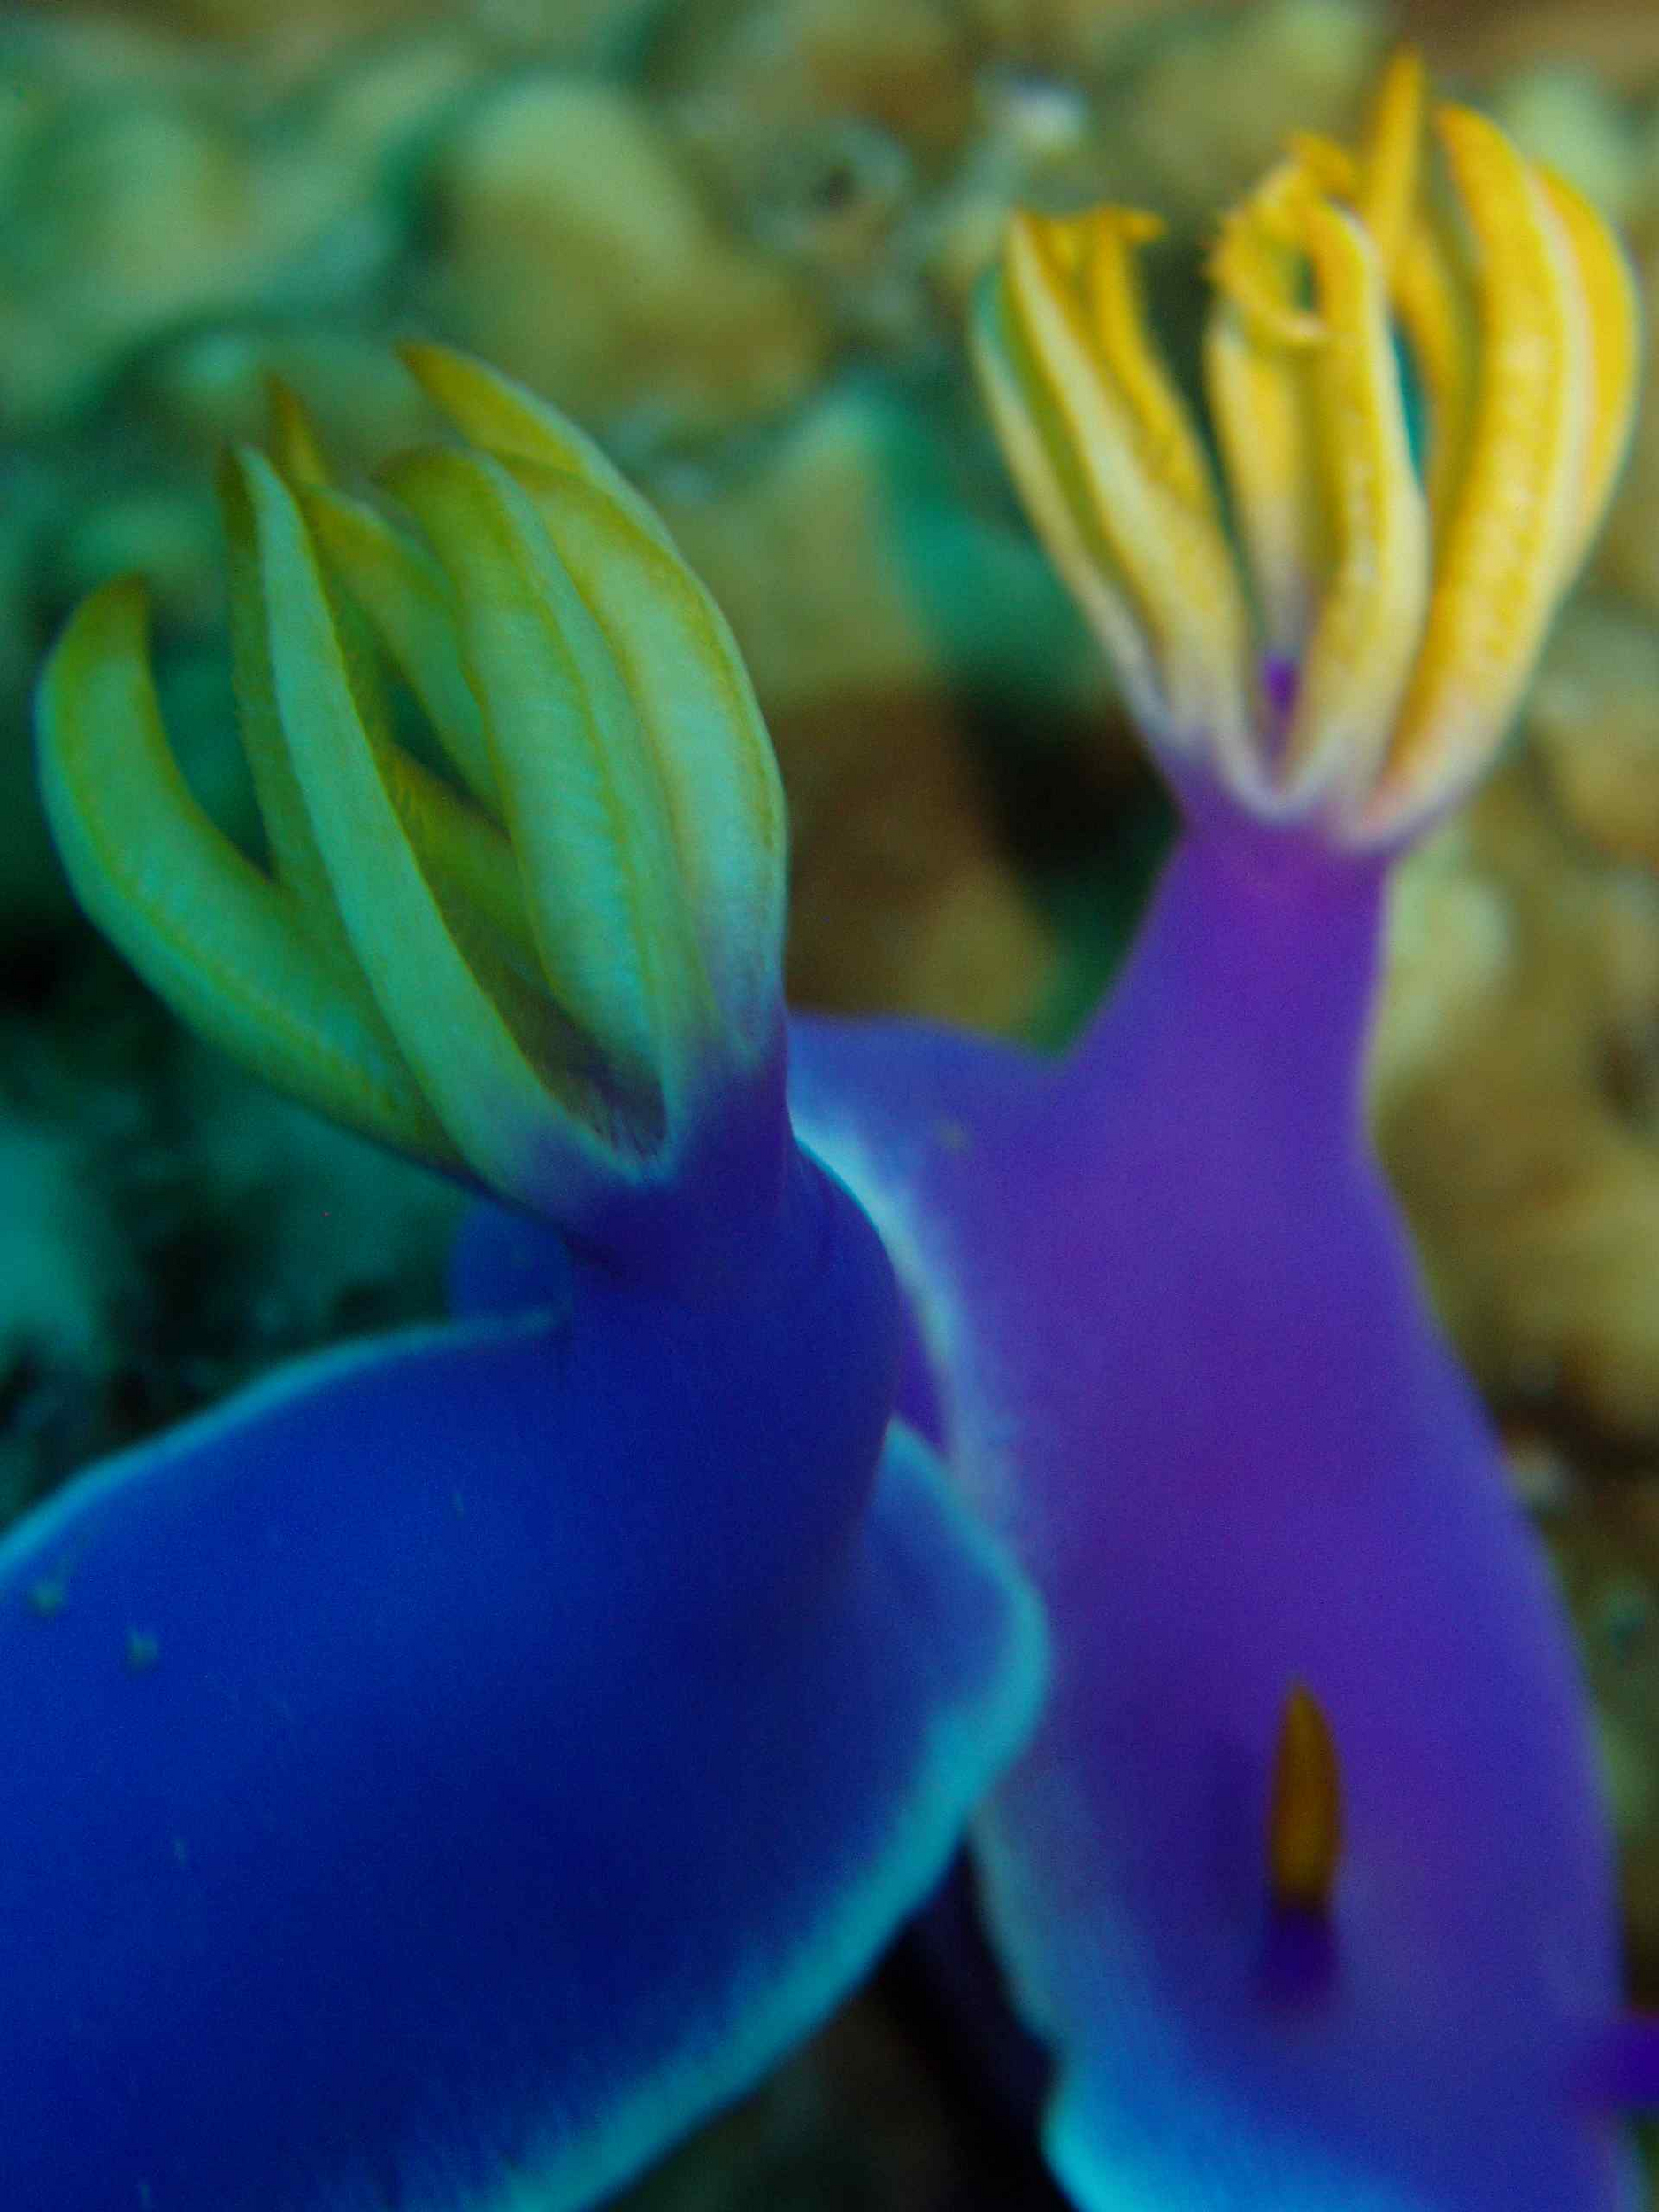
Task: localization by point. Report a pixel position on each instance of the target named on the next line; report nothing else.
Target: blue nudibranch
(443, 1774)
(1306, 1879)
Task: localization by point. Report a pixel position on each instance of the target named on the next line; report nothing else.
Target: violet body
(1187, 1372)
(1307, 1879)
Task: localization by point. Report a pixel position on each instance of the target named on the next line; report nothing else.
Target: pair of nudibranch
(441, 1775)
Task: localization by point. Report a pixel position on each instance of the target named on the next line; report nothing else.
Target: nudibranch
(439, 1775)
(1306, 1880)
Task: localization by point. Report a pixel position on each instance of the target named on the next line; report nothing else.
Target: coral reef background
(735, 238)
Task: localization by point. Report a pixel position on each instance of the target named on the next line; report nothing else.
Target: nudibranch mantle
(448, 1772)
(1175, 1347)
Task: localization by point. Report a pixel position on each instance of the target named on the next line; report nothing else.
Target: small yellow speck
(46, 1597)
(143, 1650)
(1305, 1825)
(954, 1135)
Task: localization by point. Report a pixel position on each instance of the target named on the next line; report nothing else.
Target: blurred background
(735, 239)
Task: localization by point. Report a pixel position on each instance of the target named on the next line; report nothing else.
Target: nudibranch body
(442, 1775)
(1306, 1880)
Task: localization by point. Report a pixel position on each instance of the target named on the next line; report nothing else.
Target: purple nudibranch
(1306, 1880)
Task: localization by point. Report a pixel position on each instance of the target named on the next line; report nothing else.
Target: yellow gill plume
(544, 970)
(1395, 622)
(1103, 450)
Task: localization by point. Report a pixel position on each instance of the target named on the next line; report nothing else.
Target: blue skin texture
(443, 1774)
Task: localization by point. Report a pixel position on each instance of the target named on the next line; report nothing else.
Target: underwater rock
(1176, 131)
(1592, 729)
(900, 897)
(65, 1274)
(555, 26)
(824, 128)
(904, 583)
(1572, 120)
(1617, 39)
(1526, 972)
(1032, 129)
(1451, 944)
(321, 1233)
(1604, 1539)
(1627, 560)
(870, 636)
(119, 220)
(240, 18)
(208, 388)
(552, 173)
(342, 152)
(191, 193)
(1070, 37)
(31, 881)
(159, 527)
(735, 79)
